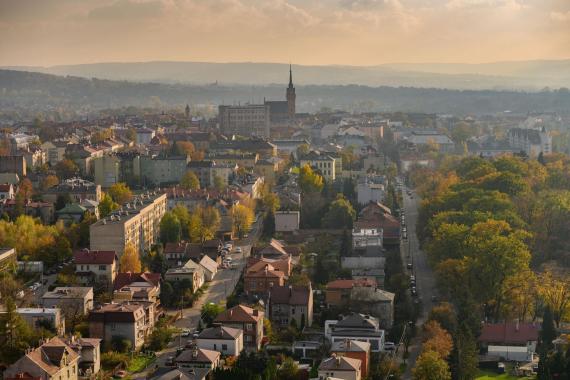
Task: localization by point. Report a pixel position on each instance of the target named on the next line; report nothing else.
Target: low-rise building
(8, 259)
(191, 271)
(362, 327)
(338, 292)
(226, 340)
(53, 360)
(96, 267)
(322, 162)
(261, 277)
(287, 303)
(198, 358)
(50, 318)
(354, 349)
(78, 189)
(287, 221)
(89, 350)
(340, 367)
(249, 320)
(510, 334)
(374, 301)
(137, 287)
(74, 301)
(209, 267)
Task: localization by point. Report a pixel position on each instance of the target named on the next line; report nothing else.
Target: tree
(270, 202)
(130, 261)
(183, 216)
(309, 181)
(106, 206)
(547, 330)
(170, 228)
(269, 225)
(430, 366)
(465, 357)
(49, 181)
(556, 295)
(120, 193)
(66, 169)
(437, 339)
(195, 228)
(303, 150)
(62, 200)
(101, 135)
(16, 332)
(26, 188)
(445, 315)
(289, 370)
(219, 183)
(242, 219)
(341, 214)
(184, 148)
(190, 181)
(210, 311)
(203, 223)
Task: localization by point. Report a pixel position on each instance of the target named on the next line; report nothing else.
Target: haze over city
(343, 32)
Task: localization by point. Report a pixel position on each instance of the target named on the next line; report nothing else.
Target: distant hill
(527, 75)
(27, 93)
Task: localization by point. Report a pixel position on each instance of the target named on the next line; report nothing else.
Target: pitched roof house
(245, 318)
(340, 367)
(287, 303)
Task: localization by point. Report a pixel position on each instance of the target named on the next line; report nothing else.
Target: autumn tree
(66, 169)
(556, 294)
(203, 224)
(184, 147)
(106, 206)
(242, 219)
(130, 260)
(341, 214)
(437, 339)
(309, 181)
(430, 366)
(219, 183)
(120, 193)
(49, 181)
(183, 216)
(170, 228)
(190, 181)
(15, 331)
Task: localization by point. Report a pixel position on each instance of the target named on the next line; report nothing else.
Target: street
(425, 281)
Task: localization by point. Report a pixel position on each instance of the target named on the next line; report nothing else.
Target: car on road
(185, 333)
(414, 292)
(410, 266)
(239, 250)
(389, 346)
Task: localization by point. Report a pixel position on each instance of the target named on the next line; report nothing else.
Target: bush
(120, 344)
(111, 359)
(159, 338)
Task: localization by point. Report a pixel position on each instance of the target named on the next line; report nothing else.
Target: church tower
(291, 96)
(187, 111)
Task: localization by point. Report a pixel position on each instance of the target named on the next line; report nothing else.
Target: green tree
(190, 181)
(465, 357)
(66, 169)
(219, 183)
(269, 225)
(183, 216)
(289, 370)
(547, 330)
(120, 193)
(341, 214)
(430, 366)
(62, 200)
(309, 181)
(210, 311)
(16, 332)
(106, 206)
(170, 228)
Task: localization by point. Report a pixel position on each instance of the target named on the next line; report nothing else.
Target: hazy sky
(355, 32)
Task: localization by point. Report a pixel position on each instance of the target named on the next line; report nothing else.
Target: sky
(313, 32)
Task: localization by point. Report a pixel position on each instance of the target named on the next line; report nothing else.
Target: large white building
(531, 141)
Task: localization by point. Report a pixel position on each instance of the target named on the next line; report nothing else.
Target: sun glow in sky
(350, 32)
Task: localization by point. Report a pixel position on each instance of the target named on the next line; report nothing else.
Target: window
(224, 347)
(102, 267)
(248, 326)
(215, 347)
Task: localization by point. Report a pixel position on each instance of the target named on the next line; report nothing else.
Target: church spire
(290, 76)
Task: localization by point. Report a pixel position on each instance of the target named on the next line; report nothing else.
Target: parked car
(238, 250)
(185, 333)
(409, 266)
(389, 346)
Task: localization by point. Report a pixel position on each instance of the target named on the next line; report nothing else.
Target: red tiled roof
(290, 295)
(175, 247)
(240, 313)
(349, 284)
(86, 256)
(124, 279)
(509, 333)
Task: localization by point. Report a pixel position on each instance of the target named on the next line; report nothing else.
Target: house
(355, 326)
(340, 367)
(226, 340)
(130, 321)
(510, 334)
(287, 303)
(274, 250)
(71, 213)
(191, 271)
(337, 292)
(260, 277)
(366, 237)
(354, 349)
(96, 267)
(74, 301)
(287, 221)
(8, 259)
(247, 319)
(374, 301)
(7, 191)
(176, 253)
(89, 350)
(137, 287)
(376, 215)
(198, 358)
(322, 162)
(283, 263)
(213, 248)
(304, 349)
(167, 373)
(51, 318)
(53, 360)
(209, 267)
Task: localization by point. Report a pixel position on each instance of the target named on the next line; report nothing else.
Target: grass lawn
(487, 375)
(139, 363)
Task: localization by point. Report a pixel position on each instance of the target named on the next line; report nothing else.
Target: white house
(340, 367)
(287, 221)
(209, 267)
(227, 340)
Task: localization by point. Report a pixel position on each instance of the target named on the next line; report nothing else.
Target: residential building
(209, 267)
(78, 190)
(89, 350)
(306, 349)
(191, 271)
(244, 160)
(169, 373)
(8, 260)
(73, 301)
(53, 360)
(322, 162)
(337, 292)
(226, 340)
(287, 303)
(247, 319)
(354, 349)
(366, 237)
(163, 169)
(45, 317)
(362, 327)
(55, 151)
(264, 148)
(207, 171)
(367, 192)
(531, 141)
(261, 277)
(340, 367)
(363, 262)
(198, 358)
(374, 301)
(419, 138)
(376, 215)
(513, 335)
(96, 267)
(137, 287)
(128, 320)
(13, 164)
(283, 264)
(7, 191)
(71, 213)
(247, 120)
(144, 136)
(137, 224)
(287, 221)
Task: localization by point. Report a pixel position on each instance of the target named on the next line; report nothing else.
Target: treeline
(495, 233)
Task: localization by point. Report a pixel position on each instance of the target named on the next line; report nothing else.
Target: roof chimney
(517, 326)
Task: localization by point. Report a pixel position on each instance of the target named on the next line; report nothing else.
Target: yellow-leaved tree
(130, 261)
(242, 218)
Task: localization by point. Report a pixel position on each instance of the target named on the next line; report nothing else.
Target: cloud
(127, 9)
(560, 16)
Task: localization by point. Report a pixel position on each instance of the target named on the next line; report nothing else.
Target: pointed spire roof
(290, 76)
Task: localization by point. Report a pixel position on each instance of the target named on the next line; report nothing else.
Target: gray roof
(220, 332)
(356, 320)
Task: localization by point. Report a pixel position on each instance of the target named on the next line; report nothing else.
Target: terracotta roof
(176, 247)
(240, 313)
(290, 295)
(124, 279)
(264, 270)
(281, 264)
(349, 284)
(509, 333)
(86, 256)
(48, 356)
(340, 363)
(124, 312)
(5, 187)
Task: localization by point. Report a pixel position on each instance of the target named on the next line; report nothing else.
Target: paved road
(425, 280)
(222, 286)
